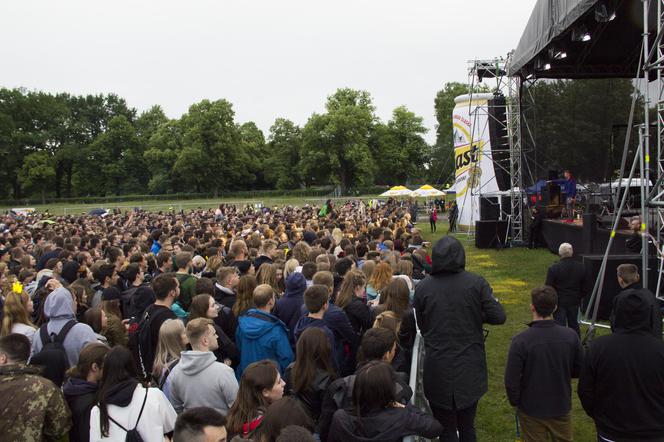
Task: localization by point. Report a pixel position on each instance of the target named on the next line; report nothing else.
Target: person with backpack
(186, 279)
(33, 409)
(378, 344)
(58, 343)
(144, 334)
(378, 415)
(198, 380)
(125, 409)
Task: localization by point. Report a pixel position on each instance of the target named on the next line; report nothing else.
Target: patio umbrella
(428, 191)
(98, 212)
(397, 191)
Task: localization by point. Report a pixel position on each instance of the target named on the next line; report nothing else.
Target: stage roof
(614, 28)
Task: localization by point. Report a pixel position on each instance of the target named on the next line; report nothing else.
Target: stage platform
(586, 240)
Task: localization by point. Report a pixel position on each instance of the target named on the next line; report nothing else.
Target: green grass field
(512, 273)
(155, 206)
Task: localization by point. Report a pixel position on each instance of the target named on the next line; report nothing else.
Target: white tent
(427, 191)
(397, 191)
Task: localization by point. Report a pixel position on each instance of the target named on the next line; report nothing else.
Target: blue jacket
(288, 308)
(306, 322)
(261, 336)
(569, 186)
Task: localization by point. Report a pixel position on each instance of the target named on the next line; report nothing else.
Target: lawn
(157, 205)
(512, 273)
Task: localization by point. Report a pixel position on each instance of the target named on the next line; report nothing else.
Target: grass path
(512, 273)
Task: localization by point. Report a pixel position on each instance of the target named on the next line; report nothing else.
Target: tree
(37, 172)
(212, 158)
(254, 147)
(413, 152)
(282, 166)
(116, 158)
(336, 144)
(163, 150)
(572, 123)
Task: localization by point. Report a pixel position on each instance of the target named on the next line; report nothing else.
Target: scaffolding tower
(509, 87)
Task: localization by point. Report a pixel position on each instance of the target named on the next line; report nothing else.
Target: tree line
(64, 145)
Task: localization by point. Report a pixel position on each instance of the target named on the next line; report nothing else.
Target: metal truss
(516, 175)
(509, 87)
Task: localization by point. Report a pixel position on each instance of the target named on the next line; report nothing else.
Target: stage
(586, 240)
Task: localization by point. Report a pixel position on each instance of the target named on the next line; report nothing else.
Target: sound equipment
(490, 234)
(611, 288)
(500, 146)
(554, 194)
(489, 208)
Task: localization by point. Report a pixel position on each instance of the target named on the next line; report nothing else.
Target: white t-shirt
(157, 419)
(24, 329)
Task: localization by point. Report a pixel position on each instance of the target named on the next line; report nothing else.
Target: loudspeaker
(554, 194)
(490, 234)
(611, 288)
(489, 208)
(500, 144)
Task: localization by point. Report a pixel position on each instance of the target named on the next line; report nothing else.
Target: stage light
(542, 65)
(602, 14)
(580, 33)
(557, 54)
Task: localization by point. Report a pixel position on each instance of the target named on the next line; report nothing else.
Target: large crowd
(279, 324)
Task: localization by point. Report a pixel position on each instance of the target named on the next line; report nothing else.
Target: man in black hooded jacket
(451, 306)
(629, 282)
(622, 378)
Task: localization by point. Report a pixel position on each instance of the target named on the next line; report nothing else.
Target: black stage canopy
(583, 39)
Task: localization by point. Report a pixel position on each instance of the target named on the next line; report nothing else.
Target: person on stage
(634, 242)
(569, 187)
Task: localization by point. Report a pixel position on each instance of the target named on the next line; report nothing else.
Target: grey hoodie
(198, 380)
(59, 308)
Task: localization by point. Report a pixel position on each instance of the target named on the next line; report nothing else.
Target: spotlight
(556, 53)
(602, 14)
(542, 65)
(580, 33)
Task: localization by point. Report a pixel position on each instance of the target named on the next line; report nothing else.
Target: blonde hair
(290, 267)
(15, 311)
(267, 274)
(169, 345)
(381, 276)
(196, 329)
(405, 267)
(213, 264)
(389, 320)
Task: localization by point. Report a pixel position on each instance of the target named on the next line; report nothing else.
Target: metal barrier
(416, 382)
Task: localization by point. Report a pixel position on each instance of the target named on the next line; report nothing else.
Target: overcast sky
(269, 58)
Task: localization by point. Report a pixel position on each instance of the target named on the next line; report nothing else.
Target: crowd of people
(283, 324)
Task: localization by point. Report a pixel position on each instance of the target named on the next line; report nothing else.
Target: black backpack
(53, 356)
(140, 342)
(133, 435)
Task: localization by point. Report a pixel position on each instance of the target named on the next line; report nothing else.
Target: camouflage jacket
(32, 408)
